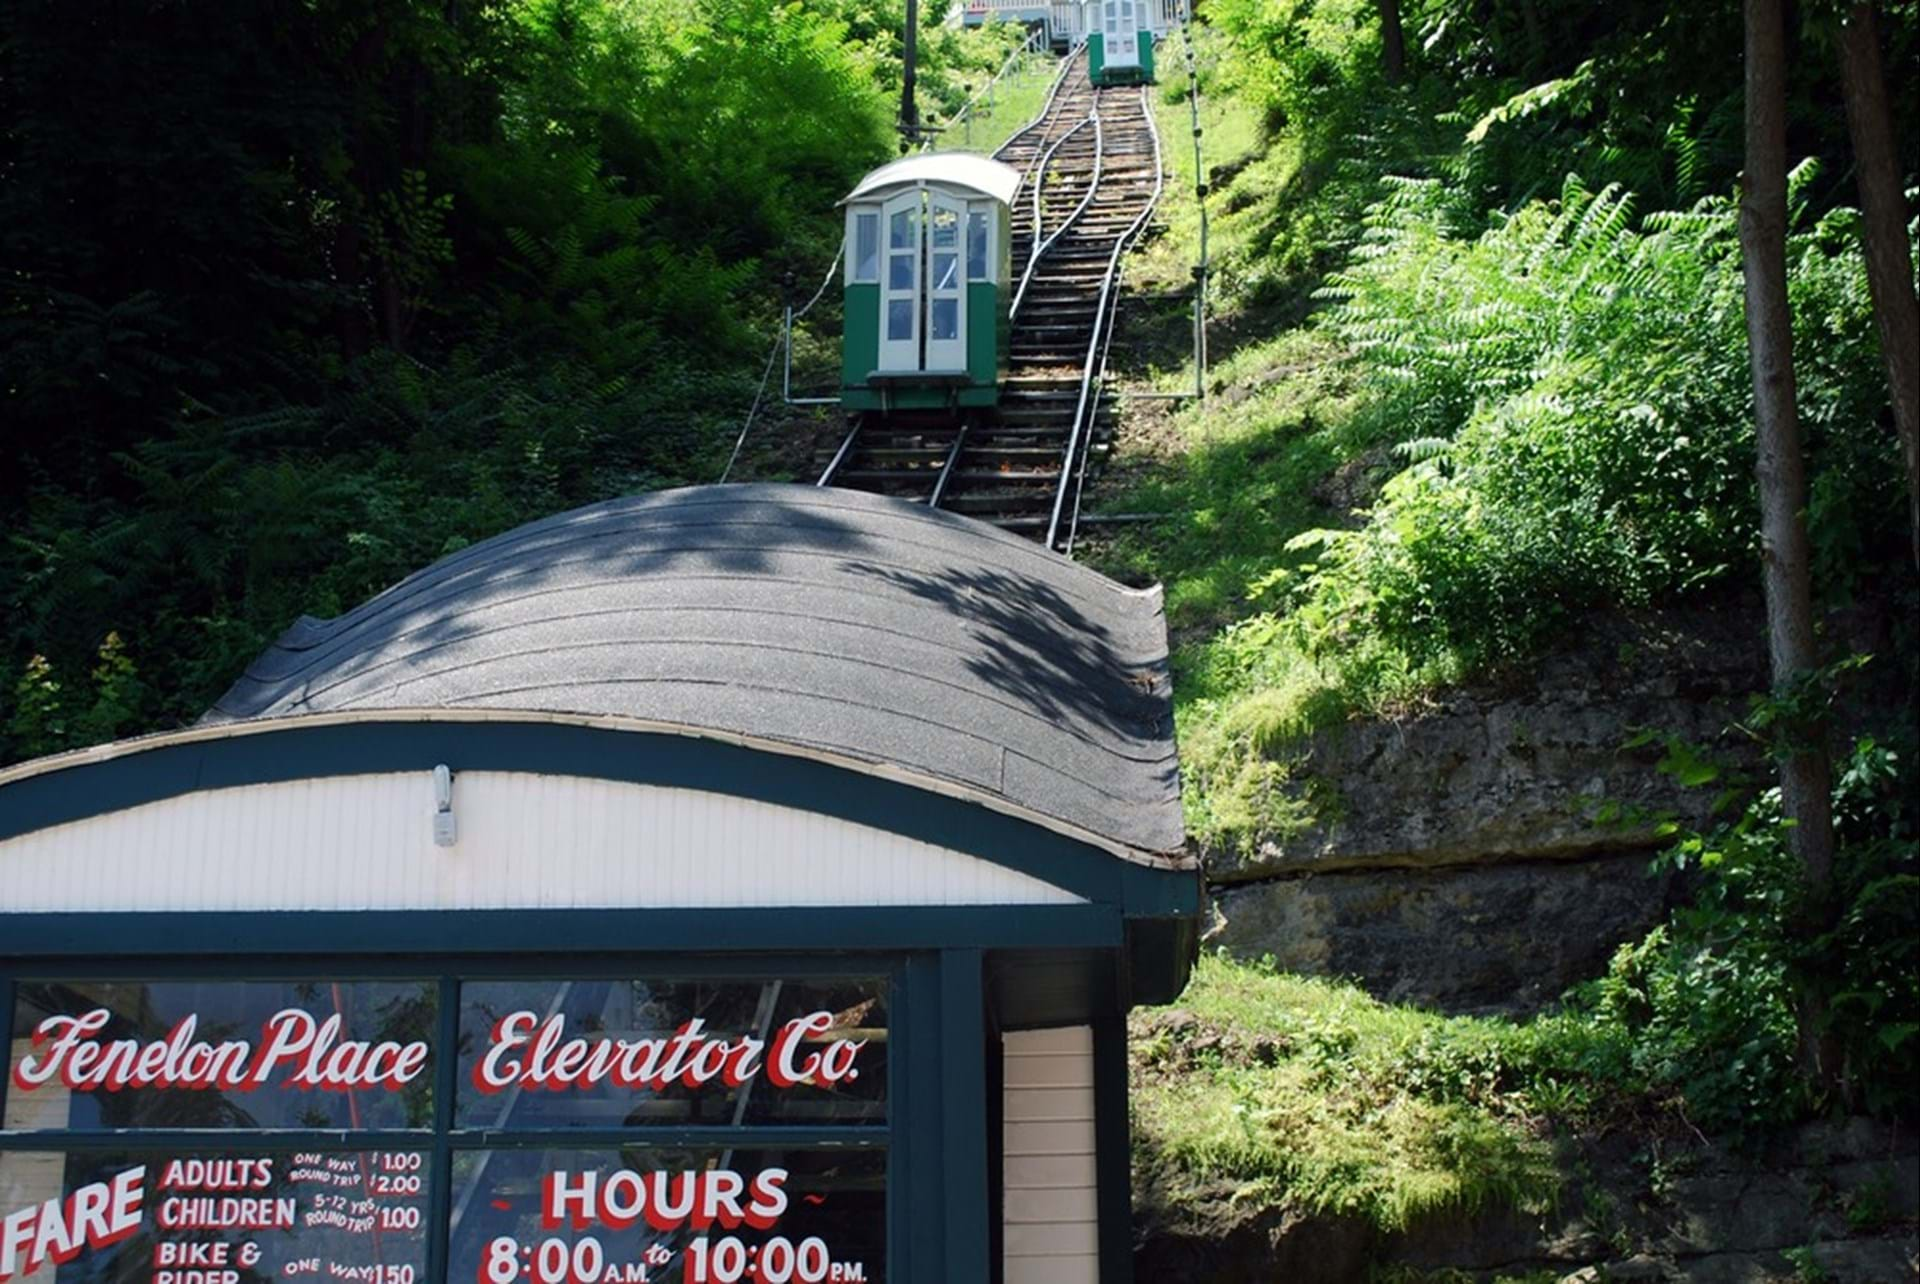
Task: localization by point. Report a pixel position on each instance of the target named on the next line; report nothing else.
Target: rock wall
(1834, 1202)
(1489, 850)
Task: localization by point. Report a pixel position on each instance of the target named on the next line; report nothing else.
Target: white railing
(1034, 46)
(1065, 19)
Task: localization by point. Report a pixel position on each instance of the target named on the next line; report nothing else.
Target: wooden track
(1018, 468)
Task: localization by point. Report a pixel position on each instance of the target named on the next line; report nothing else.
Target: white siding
(1052, 1211)
(525, 841)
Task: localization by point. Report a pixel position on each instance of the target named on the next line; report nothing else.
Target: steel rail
(840, 455)
(946, 468)
(1102, 318)
(1093, 185)
(1044, 117)
(1106, 348)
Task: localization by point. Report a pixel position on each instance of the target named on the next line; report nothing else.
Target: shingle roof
(922, 642)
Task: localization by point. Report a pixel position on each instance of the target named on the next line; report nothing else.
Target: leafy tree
(298, 295)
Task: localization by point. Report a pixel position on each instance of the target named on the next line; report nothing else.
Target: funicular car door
(900, 283)
(923, 290)
(946, 278)
(1120, 25)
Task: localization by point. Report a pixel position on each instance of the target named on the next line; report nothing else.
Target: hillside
(1460, 564)
(1518, 967)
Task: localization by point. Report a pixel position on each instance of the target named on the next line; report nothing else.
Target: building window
(575, 1129)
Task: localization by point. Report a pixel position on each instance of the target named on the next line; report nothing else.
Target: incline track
(1092, 159)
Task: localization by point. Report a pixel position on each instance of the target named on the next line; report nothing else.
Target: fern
(1568, 392)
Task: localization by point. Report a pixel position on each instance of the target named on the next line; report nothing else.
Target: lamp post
(909, 114)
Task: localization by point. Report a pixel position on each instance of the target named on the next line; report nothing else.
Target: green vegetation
(298, 297)
(1476, 407)
(1310, 1095)
(1000, 107)
(301, 297)
(1480, 372)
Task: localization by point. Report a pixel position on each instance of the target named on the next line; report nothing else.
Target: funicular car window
(248, 1132)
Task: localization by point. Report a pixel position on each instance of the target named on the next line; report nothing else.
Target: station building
(742, 883)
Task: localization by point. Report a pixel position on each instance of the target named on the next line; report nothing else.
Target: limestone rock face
(1490, 850)
(1490, 938)
(1519, 772)
(1840, 1197)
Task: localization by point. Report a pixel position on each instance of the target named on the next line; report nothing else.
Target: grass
(1015, 101)
(1287, 443)
(1230, 139)
(1309, 1095)
(1283, 449)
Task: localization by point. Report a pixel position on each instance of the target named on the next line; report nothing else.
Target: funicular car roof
(966, 170)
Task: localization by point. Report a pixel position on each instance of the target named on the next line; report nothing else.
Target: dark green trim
(446, 1082)
(1159, 958)
(6, 1037)
(970, 396)
(915, 1243)
(272, 1139)
(333, 966)
(505, 932)
(874, 1137)
(1112, 1141)
(855, 1136)
(996, 1086)
(983, 332)
(963, 1063)
(689, 762)
(860, 332)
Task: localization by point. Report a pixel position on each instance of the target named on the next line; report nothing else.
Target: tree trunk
(1883, 205)
(1805, 772)
(1536, 36)
(1393, 41)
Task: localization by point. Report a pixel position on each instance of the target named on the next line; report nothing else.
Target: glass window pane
(222, 1218)
(946, 319)
(702, 1216)
(899, 319)
(946, 271)
(900, 230)
(946, 228)
(866, 247)
(976, 245)
(627, 1053)
(900, 271)
(222, 1054)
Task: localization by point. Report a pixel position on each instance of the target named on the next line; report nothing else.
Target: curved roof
(928, 646)
(970, 170)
